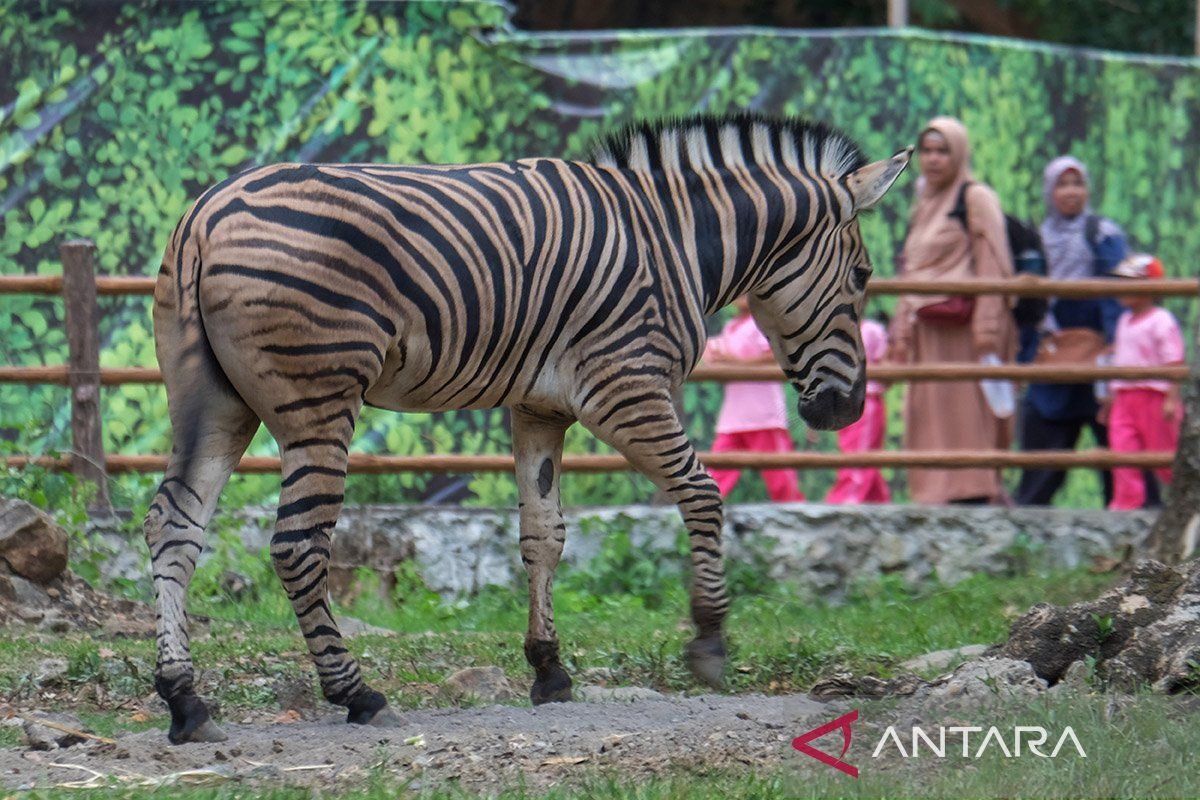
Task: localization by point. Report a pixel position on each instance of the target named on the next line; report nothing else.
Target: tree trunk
(1175, 534)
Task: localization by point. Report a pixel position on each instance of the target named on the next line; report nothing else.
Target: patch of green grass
(11, 737)
(779, 641)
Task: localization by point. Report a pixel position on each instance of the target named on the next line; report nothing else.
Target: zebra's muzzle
(830, 409)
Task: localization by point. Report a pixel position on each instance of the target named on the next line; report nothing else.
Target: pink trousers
(862, 484)
(782, 485)
(1136, 424)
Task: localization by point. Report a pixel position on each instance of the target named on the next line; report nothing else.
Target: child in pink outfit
(753, 416)
(1144, 414)
(865, 484)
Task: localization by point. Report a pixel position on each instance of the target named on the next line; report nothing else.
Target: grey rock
(50, 671)
(1077, 678)
(593, 675)
(943, 659)
(31, 542)
(616, 694)
(485, 684)
(54, 621)
(987, 679)
(1143, 632)
(24, 593)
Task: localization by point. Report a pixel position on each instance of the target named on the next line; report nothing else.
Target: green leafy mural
(113, 116)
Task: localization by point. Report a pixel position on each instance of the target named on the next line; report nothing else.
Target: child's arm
(1173, 405)
(713, 350)
(1171, 350)
(717, 347)
(749, 346)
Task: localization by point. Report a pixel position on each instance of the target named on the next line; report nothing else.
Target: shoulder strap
(959, 211)
(1091, 231)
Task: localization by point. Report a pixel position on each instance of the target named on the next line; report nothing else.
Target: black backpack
(1027, 254)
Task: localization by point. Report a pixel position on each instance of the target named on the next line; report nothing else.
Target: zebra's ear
(869, 184)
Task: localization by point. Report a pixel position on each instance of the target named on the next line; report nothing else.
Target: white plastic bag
(1000, 395)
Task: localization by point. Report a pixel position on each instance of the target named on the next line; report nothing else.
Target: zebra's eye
(859, 276)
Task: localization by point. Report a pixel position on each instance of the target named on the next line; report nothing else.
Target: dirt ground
(478, 747)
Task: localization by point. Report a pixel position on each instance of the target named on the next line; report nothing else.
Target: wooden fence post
(83, 343)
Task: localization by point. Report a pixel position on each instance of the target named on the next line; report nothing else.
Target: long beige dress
(955, 416)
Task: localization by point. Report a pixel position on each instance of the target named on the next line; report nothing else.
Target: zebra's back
(438, 287)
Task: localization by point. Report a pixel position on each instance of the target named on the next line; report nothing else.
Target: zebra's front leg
(314, 475)
(643, 427)
(537, 450)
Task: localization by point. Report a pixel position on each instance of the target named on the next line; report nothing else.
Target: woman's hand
(984, 344)
(1171, 406)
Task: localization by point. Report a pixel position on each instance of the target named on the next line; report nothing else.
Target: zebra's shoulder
(737, 140)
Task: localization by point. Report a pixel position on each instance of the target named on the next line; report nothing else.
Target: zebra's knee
(299, 552)
(703, 509)
(707, 488)
(154, 525)
(541, 550)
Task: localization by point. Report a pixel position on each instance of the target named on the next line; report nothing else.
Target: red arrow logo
(801, 743)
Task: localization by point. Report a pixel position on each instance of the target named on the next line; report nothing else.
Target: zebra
(566, 291)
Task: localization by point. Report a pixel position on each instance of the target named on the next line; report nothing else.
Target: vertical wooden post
(897, 13)
(83, 342)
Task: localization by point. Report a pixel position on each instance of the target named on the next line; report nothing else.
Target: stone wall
(825, 549)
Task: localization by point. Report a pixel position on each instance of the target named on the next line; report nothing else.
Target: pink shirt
(748, 406)
(875, 343)
(1151, 339)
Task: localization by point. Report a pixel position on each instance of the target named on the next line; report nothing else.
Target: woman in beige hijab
(942, 246)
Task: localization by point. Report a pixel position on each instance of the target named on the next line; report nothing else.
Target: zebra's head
(810, 302)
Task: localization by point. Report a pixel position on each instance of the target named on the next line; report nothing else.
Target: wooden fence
(79, 287)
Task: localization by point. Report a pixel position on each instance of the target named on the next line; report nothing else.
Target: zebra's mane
(742, 140)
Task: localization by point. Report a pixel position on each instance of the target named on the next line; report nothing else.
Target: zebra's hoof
(371, 708)
(208, 731)
(706, 658)
(555, 687)
(190, 722)
(385, 718)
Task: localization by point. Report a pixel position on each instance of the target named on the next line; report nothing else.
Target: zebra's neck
(725, 228)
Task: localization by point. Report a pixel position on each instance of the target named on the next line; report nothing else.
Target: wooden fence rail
(1021, 286)
(364, 463)
(714, 373)
(79, 287)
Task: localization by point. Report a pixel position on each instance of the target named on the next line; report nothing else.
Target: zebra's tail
(190, 369)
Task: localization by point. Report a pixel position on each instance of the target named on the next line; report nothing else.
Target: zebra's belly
(407, 383)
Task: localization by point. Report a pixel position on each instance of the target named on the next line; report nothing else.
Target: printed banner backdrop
(114, 116)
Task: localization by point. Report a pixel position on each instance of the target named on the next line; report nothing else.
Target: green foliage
(111, 126)
(621, 568)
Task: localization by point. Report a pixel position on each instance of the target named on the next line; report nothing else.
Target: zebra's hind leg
(648, 433)
(537, 448)
(210, 436)
(310, 499)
